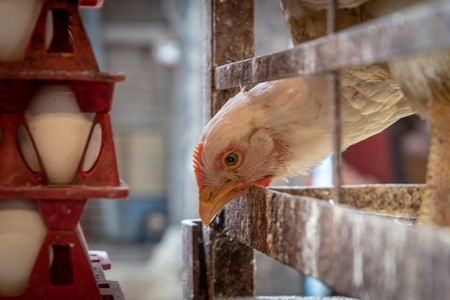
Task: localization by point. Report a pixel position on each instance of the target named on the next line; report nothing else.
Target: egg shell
(60, 132)
(17, 21)
(22, 231)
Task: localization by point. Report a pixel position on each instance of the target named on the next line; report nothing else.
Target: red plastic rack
(64, 268)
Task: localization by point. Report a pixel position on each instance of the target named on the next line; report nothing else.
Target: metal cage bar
(214, 275)
(419, 29)
(335, 109)
(353, 250)
(355, 253)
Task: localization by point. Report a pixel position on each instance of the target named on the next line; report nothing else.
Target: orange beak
(213, 199)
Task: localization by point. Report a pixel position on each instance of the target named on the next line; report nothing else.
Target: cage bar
(368, 246)
(419, 29)
(355, 253)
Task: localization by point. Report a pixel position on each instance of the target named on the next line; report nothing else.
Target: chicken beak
(212, 200)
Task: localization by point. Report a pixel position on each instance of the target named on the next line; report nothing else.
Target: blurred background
(157, 121)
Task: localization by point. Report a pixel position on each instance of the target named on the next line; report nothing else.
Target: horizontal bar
(286, 298)
(411, 31)
(356, 254)
(401, 200)
(80, 192)
(91, 3)
(62, 75)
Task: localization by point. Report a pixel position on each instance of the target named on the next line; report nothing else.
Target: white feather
(296, 111)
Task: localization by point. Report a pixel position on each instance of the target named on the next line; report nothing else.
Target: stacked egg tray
(64, 268)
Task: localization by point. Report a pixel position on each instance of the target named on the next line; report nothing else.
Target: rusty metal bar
(195, 285)
(208, 271)
(331, 16)
(333, 78)
(228, 37)
(356, 254)
(230, 264)
(410, 31)
(401, 200)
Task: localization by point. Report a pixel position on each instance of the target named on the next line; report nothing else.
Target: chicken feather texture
(283, 128)
(296, 113)
(424, 79)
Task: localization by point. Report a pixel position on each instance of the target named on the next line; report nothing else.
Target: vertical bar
(336, 115)
(230, 264)
(335, 109)
(195, 286)
(331, 16)
(229, 37)
(208, 56)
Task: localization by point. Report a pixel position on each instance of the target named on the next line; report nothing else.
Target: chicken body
(282, 128)
(426, 82)
(424, 79)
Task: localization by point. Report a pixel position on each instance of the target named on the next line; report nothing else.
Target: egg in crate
(60, 132)
(22, 231)
(17, 21)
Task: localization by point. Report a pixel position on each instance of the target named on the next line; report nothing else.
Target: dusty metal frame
(419, 29)
(355, 253)
(365, 247)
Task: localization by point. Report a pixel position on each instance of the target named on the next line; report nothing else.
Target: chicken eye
(231, 159)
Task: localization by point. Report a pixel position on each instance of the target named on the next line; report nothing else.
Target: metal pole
(335, 108)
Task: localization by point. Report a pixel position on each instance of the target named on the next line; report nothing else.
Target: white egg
(22, 231)
(17, 21)
(60, 132)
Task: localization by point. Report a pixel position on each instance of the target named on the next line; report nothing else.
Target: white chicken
(425, 80)
(282, 128)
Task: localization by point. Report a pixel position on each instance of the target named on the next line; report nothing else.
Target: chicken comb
(198, 163)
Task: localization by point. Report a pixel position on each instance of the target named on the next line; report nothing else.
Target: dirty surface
(391, 199)
(418, 29)
(356, 254)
